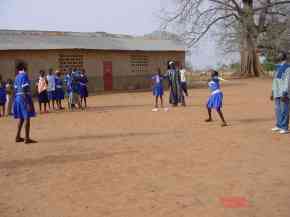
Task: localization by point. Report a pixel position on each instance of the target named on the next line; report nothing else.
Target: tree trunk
(250, 63)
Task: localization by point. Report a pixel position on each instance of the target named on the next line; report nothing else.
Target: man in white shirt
(183, 80)
(281, 94)
(51, 88)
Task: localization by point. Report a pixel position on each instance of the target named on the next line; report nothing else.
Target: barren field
(120, 159)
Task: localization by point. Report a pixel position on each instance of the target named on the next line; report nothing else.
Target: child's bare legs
(60, 105)
(219, 111)
(19, 128)
(209, 115)
(45, 110)
(40, 106)
(27, 129)
(53, 107)
(85, 100)
(161, 100)
(4, 109)
(79, 105)
(156, 101)
(2, 113)
(28, 140)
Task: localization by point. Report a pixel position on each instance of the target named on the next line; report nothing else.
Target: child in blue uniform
(158, 89)
(2, 96)
(83, 87)
(23, 108)
(215, 100)
(59, 92)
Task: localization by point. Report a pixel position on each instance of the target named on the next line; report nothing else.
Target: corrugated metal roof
(37, 40)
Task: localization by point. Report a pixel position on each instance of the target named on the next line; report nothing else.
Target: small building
(112, 62)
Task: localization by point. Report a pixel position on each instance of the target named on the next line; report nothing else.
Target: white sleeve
(287, 82)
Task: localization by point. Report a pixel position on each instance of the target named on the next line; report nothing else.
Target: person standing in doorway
(281, 94)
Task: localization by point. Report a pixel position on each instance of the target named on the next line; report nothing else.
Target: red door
(108, 75)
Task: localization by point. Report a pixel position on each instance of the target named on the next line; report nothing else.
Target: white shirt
(182, 75)
(51, 83)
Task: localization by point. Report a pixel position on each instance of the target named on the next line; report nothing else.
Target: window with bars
(139, 64)
(67, 62)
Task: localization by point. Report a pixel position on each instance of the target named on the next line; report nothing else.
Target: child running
(83, 88)
(158, 89)
(2, 96)
(42, 91)
(215, 100)
(59, 92)
(23, 108)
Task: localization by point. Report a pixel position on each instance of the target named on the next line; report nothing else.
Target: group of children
(178, 90)
(53, 88)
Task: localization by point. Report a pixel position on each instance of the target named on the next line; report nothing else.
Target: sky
(135, 17)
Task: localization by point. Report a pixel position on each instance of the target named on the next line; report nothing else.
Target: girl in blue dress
(215, 100)
(59, 92)
(83, 88)
(158, 89)
(23, 108)
(2, 96)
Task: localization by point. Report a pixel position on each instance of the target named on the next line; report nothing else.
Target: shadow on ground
(59, 159)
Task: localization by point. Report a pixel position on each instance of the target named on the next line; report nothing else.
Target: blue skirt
(84, 91)
(158, 90)
(59, 94)
(23, 107)
(51, 95)
(215, 101)
(2, 98)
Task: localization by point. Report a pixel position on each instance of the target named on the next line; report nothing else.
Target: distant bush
(235, 67)
(269, 66)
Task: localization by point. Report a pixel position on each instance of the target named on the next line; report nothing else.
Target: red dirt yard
(120, 159)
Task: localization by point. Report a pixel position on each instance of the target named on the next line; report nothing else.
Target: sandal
(29, 141)
(18, 140)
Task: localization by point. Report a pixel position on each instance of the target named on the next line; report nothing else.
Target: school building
(112, 62)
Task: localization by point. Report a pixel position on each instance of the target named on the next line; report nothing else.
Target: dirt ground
(120, 159)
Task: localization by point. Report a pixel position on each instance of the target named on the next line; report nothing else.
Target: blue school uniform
(2, 93)
(83, 86)
(59, 92)
(215, 100)
(158, 86)
(23, 107)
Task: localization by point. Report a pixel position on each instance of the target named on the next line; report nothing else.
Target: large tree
(240, 22)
